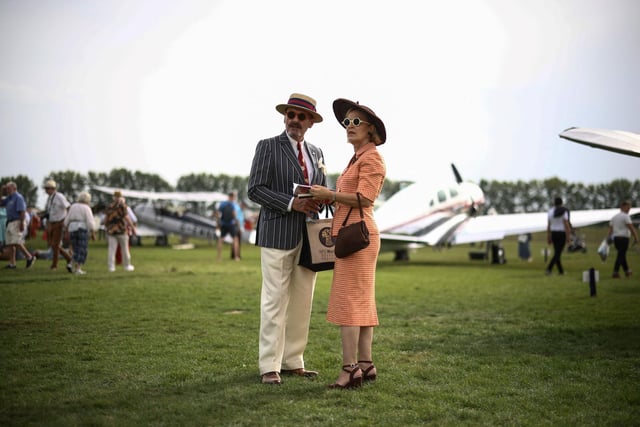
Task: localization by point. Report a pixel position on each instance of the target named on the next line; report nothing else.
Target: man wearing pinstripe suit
(287, 288)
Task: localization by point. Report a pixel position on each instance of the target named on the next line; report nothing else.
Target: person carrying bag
(352, 304)
(354, 237)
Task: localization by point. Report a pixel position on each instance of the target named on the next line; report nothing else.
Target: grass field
(460, 343)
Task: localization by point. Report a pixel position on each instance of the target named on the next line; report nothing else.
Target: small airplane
(417, 216)
(156, 222)
(179, 196)
(618, 141)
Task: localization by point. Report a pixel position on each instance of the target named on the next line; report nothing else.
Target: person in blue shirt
(228, 224)
(3, 217)
(16, 225)
(240, 219)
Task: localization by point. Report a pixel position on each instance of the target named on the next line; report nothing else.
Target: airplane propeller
(456, 174)
(473, 210)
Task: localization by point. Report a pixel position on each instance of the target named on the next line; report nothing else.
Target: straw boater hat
(341, 106)
(302, 102)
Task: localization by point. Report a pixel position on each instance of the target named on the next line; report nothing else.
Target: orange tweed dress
(352, 300)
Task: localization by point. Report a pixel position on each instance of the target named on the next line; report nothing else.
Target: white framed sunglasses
(356, 122)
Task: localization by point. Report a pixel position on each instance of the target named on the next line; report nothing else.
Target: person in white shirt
(558, 233)
(56, 211)
(620, 231)
(81, 226)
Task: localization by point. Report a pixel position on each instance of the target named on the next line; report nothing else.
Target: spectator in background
(34, 223)
(16, 225)
(240, 228)
(228, 225)
(101, 217)
(56, 211)
(130, 233)
(620, 231)
(558, 233)
(132, 216)
(27, 220)
(80, 224)
(524, 247)
(116, 222)
(3, 217)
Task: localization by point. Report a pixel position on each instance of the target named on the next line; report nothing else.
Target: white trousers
(114, 240)
(285, 309)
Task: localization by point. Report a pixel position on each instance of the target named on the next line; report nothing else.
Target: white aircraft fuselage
(187, 225)
(426, 214)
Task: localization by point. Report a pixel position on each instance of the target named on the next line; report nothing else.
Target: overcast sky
(190, 86)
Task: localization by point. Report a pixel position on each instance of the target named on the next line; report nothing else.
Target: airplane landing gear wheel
(402, 255)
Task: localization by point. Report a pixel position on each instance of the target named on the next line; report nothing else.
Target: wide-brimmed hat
(50, 184)
(341, 106)
(302, 102)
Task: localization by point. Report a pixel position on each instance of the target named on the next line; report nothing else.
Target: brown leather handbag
(354, 237)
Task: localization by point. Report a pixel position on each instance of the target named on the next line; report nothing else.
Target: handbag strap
(349, 213)
(327, 209)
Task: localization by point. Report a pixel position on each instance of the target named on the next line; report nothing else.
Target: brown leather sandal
(354, 381)
(365, 372)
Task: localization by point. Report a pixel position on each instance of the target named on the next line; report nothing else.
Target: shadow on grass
(580, 342)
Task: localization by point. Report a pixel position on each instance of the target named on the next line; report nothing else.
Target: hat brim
(341, 106)
(282, 108)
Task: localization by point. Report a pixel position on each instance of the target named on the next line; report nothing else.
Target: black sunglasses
(356, 122)
(301, 116)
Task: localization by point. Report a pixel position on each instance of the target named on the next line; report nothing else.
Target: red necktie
(302, 164)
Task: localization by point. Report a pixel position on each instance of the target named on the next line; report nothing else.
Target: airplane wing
(493, 227)
(611, 140)
(181, 196)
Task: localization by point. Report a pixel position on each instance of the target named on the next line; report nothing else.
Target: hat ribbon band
(302, 103)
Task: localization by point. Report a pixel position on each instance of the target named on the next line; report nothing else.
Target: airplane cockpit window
(453, 192)
(442, 196)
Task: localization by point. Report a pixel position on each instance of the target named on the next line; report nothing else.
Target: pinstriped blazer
(274, 170)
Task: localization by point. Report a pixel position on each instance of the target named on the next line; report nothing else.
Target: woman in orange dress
(352, 304)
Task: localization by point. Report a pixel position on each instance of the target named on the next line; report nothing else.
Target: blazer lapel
(315, 156)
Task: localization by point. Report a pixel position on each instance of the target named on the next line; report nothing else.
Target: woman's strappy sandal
(354, 381)
(366, 376)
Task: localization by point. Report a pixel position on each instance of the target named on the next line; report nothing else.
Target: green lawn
(460, 343)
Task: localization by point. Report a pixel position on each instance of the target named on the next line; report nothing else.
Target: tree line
(501, 196)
